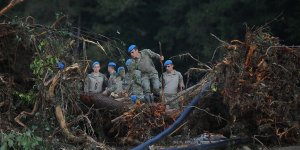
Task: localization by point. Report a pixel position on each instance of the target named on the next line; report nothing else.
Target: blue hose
(177, 123)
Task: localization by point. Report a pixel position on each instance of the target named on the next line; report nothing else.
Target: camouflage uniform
(136, 85)
(94, 82)
(134, 81)
(173, 83)
(126, 82)
(148, 72)
(114, 84)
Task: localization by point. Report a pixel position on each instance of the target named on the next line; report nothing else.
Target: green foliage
(214, 87)
(39, 66)
(42, 45)
(16, 140)
(26, 97)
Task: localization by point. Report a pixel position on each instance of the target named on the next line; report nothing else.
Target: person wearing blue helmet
(128, 62)
(132, 83)
(121, 71)
(126, 80)
(123, 76)
(173, 83)
(142, 61)
(114, 84)
(95, 81)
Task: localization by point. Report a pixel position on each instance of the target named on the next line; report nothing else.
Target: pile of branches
(257, 86)
(31, 79)
(259, 80)
(142, 122)
(254, 94)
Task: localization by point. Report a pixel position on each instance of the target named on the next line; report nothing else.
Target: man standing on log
(173, 83)
(142, 61)
(94, 81)
(114, 84)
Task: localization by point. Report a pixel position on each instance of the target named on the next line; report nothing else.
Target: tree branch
(10, 6)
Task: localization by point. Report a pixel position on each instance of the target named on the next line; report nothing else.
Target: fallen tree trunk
(100, 101)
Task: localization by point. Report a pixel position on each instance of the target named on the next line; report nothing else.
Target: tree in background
(181, 25)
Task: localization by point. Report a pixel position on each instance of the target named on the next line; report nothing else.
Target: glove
(60, 65)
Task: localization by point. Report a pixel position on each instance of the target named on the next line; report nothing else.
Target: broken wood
(57, 77)
(99, 101)
(25, 113)
(10, 6)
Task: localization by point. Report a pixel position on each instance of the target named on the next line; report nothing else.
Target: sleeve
(138, 80)
(152, 54)
(119, 85)
(86, 84)
(113, 85)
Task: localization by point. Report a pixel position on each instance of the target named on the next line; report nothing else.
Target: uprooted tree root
(259, 83)
(260, 80)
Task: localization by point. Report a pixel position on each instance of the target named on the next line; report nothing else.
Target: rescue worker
(95, 81)
(114, 84)
(142, 61)
(134, 81)
(121, 76)
(126, 79)
(173, 83)
(121, 72)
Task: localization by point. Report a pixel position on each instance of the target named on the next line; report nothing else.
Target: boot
(151, 98)
(147, 98)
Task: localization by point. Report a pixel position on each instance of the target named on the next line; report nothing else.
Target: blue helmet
(111, 64)
(131, 47)
(120, 69)
(168, 62)
(128, 62)
(133, 98)
(60, 65)
(95, 63)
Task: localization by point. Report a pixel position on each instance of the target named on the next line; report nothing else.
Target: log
(192, 91)
(99, 101)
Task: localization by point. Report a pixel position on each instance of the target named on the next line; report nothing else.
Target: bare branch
(189, 55)
(223, 42)
(10, 6)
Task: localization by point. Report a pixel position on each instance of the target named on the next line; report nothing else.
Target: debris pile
(255, 92)
(259, 80)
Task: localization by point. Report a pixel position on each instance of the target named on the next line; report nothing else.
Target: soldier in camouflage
(114, 83)
(173, 83)
(134, 81)
(142, 61)
(95, 81)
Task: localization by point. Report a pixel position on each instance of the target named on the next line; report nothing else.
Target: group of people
(141, 81)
